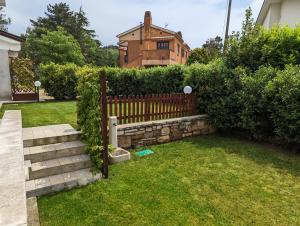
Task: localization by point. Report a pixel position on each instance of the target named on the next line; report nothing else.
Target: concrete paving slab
(13, 209)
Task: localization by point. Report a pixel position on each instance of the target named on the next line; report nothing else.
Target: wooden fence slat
(120, 115)
(131, 108)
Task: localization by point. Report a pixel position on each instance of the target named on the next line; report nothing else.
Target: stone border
(32, 212)
(162, 131)
(12, 172)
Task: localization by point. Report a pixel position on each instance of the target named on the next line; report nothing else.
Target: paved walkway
(12, 176)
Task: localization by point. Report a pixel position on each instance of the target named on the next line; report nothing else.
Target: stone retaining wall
(162, 131)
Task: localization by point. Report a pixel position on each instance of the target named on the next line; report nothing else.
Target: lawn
(48, 113)
(210, 180)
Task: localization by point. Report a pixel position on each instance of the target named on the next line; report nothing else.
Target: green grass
(48, 113)
(209, 180)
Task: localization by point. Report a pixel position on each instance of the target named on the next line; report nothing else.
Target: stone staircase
(55, 160)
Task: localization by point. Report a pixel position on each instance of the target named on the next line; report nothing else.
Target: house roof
(264, 10)
(11, 36)
(155, 27)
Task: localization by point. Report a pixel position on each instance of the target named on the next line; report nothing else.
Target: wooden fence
(131, 109)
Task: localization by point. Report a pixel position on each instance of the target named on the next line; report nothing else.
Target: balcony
(157, 57)
(158, 62)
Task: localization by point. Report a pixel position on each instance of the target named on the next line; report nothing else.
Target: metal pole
(103, 104)
(38, 94)
(227, 26)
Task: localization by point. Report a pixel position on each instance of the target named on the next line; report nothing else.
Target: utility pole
(227, 25)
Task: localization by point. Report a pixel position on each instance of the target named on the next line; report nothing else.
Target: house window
(178, 49)
(162, 45)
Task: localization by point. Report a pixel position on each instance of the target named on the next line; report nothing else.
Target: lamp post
(37, 85)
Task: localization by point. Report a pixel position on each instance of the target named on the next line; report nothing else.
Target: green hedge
(216, 87)
(145, 81)
(283, 95)
(88, 114)
(265, 104)
(276, 47)
(59, 81)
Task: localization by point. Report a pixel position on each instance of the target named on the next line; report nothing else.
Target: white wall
(290, 13)
(9, 44)
(5, 86)
(286, 12)
(273, 15)
(266, 23)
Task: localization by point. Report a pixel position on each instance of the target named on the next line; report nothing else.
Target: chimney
(147, 23)
(2, 3)
(180, 34)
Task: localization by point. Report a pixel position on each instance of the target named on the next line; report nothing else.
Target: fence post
(103, 104)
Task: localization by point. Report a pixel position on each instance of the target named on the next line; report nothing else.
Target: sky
(198, 20)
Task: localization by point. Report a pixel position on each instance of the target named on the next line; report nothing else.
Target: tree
(242, 49)
(248, 24)
(210, 50)
(198, 55)
(53, 46)
(75, 23)
(213, 46)
(3, 20)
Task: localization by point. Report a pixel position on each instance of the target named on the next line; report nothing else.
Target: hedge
(275, 47)
(88, 114)
(59, 81)
(264, 105)
(283, 95)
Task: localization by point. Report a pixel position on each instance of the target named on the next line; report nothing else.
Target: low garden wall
(162, 131)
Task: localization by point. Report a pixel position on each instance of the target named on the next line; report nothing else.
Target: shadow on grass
(263, 154)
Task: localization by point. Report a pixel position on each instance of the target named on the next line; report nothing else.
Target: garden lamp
(37, 85)
(187, 90)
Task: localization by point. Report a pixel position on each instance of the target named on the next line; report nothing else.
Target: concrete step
(53, 151)
(60, 182)
(59, 166)
(43, 135)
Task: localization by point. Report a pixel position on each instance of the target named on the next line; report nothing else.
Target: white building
(279, 12)
(10, 45)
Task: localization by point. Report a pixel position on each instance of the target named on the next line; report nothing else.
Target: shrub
(283, 95)
(59, 81)
(260, 47)
(254, 116)
(215, 86)
(44, 46)
(88, 113)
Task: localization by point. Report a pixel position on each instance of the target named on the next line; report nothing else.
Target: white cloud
(197, 19)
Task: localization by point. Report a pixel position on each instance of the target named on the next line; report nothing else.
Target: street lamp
(37, 85)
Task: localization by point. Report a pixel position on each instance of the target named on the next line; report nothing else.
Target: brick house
(148, 45)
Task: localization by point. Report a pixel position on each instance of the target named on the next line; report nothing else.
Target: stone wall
(162, 131)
